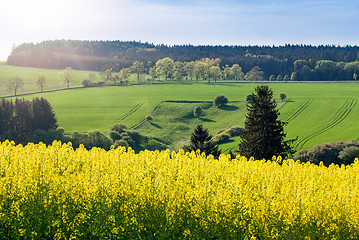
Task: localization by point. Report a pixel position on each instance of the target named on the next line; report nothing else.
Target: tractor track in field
(154, 113)
(133, 110)
(342, 113)
(299, 110)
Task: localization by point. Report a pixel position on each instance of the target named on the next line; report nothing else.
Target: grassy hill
(316, 112)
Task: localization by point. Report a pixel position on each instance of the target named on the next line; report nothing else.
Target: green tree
(138, 69)
(227, 73)
(255, 74)
(189, 69)
(355, 76)
(41, 82)
(125, 74)
(220, 100)
(14, 84)
(108, 75)
(279, 78)
(200, 68)
(197, 112)
(272, 78)
(178, 69)
(165, 67)
(236, 72)
(68, 76)
(286, 78)
(263, 135)
(215, 73)
(202, 140)
(153, 73)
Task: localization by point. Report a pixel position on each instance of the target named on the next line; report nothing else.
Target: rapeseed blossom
(60, 193)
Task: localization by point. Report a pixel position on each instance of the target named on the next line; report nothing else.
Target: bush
(327, 153)
(87, 83)
(122, 143)
(221, 138)
(282, 96)
(220, 100)
(348, 154)
(91, 139)
(133, 138)
(197, 112)
(149, 118)
(48, 136)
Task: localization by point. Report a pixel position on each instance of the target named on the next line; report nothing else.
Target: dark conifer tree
(202, 140)
(263, 135)
(7, 120)
(43, 114)
(23, 120)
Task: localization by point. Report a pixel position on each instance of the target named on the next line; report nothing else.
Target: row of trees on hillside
(67, 77)
(209, 69)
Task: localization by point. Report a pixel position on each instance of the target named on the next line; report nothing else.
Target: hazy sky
(197, 22)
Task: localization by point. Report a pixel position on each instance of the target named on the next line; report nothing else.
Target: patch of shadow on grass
(155, 125)
(228, 108)
(161, 141)
(206, 120)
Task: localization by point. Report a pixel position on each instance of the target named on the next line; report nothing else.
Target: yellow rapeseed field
(57, 192)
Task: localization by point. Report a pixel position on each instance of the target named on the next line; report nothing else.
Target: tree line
(117, 55)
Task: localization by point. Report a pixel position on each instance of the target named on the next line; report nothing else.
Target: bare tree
(14, 84)
(41, 82)
(67, 76)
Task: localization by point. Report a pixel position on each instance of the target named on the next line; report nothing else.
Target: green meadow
(316, 112)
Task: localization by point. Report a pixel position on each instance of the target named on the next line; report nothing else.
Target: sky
(196, 22)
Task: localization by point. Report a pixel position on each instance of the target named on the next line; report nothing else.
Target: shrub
(149, 118)
(327, 153)
(121, 143)
(48, 136)
(87, 83)
(221, 138)
(197, 112)
(220, 100)
(133, 138)
(282, 96)
(91, 139)
(348, 154)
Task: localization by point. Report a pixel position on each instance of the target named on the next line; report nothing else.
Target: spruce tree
(263, 135)
(43, 114)
(202, 140)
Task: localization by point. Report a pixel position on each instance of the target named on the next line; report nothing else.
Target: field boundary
(342, 113)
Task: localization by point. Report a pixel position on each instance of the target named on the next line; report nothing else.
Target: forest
(300, 62)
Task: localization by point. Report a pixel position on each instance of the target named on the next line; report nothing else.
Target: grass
(316, 112)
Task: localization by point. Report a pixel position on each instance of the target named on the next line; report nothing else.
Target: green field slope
(315, 112)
